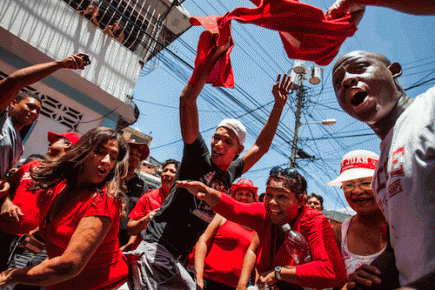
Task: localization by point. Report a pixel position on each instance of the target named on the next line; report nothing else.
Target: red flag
(305, 31)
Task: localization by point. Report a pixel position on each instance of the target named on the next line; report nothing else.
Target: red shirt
(107, 268)
(326, 268)
(33, 205)
(148, 202)
(224, 260)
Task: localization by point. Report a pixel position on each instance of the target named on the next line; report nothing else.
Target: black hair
(33, 157)
(317, 196)
(297, 183)
(171, 161)
(25, 95)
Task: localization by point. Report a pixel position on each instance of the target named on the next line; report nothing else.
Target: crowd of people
(79, 217)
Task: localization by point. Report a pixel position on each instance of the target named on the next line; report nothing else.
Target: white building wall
(57, 30)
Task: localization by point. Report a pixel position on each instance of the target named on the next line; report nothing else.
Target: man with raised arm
(175, 228)
(19, 109)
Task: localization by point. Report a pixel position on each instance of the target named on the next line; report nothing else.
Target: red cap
(245, 183)
(70, 136)
(143, 147)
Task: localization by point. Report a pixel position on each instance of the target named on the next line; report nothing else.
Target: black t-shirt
(136, 187)
(183, 218)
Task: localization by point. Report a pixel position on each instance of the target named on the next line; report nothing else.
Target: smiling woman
(80, 225)
(283, 203)
(363, 237)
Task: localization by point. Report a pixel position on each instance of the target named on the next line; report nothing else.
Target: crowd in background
(80, 217)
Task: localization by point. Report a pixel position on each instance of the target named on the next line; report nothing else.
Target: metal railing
(136, 26)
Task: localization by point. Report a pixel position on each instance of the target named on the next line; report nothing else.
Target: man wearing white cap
(176, 227)
(363, 237)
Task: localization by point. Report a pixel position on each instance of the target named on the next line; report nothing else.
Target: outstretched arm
(280, 92)
(418, 7)
(11, 86)
(87, 237)
(189, 120)
(201, 191)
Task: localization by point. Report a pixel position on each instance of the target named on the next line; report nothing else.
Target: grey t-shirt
(11, 147)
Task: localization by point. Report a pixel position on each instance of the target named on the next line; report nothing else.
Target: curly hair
(50, 173)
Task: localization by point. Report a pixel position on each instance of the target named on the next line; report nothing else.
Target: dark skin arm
(11, 86)
(364, 275)
(8, 210)
(418, 7)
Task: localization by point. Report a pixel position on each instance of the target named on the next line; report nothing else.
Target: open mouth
(358, 98)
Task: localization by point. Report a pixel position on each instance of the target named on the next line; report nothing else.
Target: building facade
(39, 31)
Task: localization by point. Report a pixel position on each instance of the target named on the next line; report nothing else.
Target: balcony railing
(137, 26)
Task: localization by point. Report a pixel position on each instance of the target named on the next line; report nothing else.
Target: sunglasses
(287, 172)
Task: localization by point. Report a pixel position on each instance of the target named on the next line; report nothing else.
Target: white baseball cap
(356, 164)
(236, 126)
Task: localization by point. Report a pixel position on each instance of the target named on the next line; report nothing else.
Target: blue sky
(257, 58)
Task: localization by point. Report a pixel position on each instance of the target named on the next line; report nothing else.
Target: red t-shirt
(148, 202)
(107, 268)
(326, 268)
(223, 262)
(33, 205)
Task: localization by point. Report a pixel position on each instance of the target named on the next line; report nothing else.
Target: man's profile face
(24, 112)
(364, 86)
(57, 149)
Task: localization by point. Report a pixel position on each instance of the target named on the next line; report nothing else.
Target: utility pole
(297, 76)
(301, 96)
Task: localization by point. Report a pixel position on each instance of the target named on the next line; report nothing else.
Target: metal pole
(301, 95)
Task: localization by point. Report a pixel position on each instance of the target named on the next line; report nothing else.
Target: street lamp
(327, 122)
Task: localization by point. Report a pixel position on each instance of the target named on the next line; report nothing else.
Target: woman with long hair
(80, 223)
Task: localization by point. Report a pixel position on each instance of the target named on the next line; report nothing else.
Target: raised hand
(280, 90)
(74, 61)
(341, 7)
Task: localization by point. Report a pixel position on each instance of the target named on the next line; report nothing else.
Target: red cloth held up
(305, 31)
